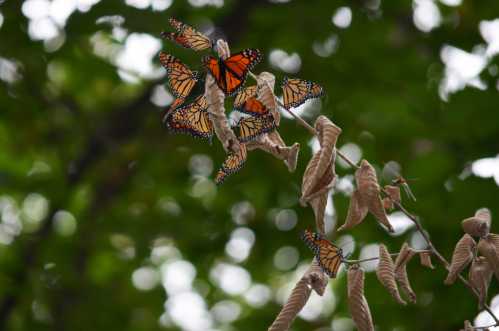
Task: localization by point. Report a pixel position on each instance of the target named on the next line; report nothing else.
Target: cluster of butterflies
(189, 111)
(191, 117)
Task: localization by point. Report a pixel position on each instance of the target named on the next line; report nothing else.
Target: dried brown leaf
(357, 303)
(468, 326)
(480, 276)
(223, 49)
(494, 238)
(327, 133)
(404, 256)
(386, 274)
(387, 203)
(479, 224)
(357, 211)
(462, 256)
(368, 187)
(272, 143)
(425, 260)
(265, 93)
(487, 248)
(317, 196)
(216, 110)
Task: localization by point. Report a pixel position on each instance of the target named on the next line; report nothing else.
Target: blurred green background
(108, 222)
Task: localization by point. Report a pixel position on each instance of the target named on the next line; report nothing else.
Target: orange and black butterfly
(250, 128)
(187, 36)
(252, 106)
(180, 78)
(327, 254)
(296, 91)
(230, 74)
(232, 164)
(243, 95)
(192, 119)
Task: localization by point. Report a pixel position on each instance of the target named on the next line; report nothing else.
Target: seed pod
(425, 260)
(462, 256)
(405, 254)
(357, 211)
(478, 225)
(487, 248)
(386, 274)
(357, 303)
(480, 276)
(367, 184)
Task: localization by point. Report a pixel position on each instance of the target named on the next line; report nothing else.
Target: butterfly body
(328, 255)
(230, 74)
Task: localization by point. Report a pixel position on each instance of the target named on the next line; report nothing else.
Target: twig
(377, 257)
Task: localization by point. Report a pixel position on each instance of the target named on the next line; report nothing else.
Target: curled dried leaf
(386, 274)
(487, 248)
(357, 303)
(368, 187)
(393, 192)
(265, 93)
(479, 224)
(404, 256)
(357, 211)
(272, 143)
(494, 238)
(327, 133)
(463, 254)
(223, 49)
(425, 260)
(216, 110)
(480, 276)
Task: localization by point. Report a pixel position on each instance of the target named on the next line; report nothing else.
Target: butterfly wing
(213, 66)
(187, 36)
(253, 107)
(237, 67)
(232, 164)
(243, 95)
(296, 91)
(192, 119)
(180, 78)
(252, 127)
(327, 254)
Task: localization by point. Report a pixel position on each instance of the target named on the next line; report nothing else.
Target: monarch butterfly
(254, 126)
(192, 119)
(230, 74)
(252, 106)
(187, 36)
(296, 91)
(327, 254)
(233, 163)
(180, 78)
(244, 94)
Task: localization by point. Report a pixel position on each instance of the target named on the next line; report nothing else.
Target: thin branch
(377, 257)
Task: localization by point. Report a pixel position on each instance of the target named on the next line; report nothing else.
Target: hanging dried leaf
(494, 238)
(216, 110)
(368, 187)
(462, 256)
(468, 326)
(425, 260)
(327, 133)
(314, 278)
(404, 256)
(478, 225)
(487, 248)
(393, 195)
(272, 143)
(357, 211)
(223, 49)
(265, 93)
(387, 203)
(357, 303)
(480, 276)
(386, 274)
